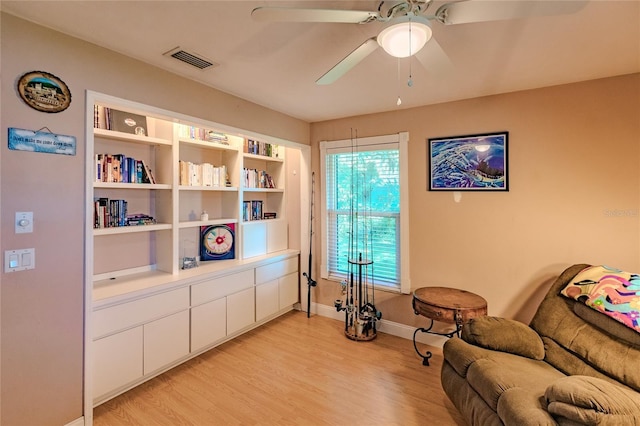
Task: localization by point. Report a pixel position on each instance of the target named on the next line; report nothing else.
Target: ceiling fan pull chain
(399, 101)
(410, 81)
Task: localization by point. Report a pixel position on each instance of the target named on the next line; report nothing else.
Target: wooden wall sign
(44, 92)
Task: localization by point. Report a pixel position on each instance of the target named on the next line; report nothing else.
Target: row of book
(193, 132)
(252, 210)
(206, 174)
(119, 168)
(121, 121)
(255, 147)
(113, 213)
(252, 178)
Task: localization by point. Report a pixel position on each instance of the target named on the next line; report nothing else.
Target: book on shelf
(252, 210)
(252, 146)
(140, 219)
(148, 176)
(120, 121)
(205, 174)
(118, 168)
(114, 213)
(109, 213)
(202, 134)
(253, 178)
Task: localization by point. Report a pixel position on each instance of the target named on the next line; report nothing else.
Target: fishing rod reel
(310, 281)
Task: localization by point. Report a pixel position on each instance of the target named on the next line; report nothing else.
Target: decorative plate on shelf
(217, 242)
(44, 92)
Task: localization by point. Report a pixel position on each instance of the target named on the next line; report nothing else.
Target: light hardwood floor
(292, 371)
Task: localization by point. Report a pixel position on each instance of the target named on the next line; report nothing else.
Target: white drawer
(220, 287)
(275, 270)
(129, 314)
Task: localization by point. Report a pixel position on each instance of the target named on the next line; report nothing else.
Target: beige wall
(574, 155)
(574, 174)
(42, 310)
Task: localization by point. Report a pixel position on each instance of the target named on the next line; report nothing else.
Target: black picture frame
(477, 162)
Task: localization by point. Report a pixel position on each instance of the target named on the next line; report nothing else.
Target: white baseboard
(385, 326)
(76, 422)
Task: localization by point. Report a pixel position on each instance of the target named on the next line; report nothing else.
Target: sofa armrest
(592, 401)
(503, 334)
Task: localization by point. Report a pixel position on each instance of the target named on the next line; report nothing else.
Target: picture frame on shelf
(217, 242)
(476, 162)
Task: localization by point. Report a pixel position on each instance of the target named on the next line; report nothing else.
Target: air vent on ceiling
(190, 58)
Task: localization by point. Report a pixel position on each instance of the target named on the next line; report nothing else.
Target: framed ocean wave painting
(469, 163)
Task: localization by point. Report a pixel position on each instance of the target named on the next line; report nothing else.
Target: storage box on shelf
(148, 314)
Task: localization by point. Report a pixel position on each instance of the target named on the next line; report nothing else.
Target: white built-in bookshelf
(151, 189)
(194, 168)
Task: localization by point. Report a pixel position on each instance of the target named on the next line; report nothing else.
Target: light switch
(19, 260)
(24, 222)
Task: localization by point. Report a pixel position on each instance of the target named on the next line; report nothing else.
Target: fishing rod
(310, 281)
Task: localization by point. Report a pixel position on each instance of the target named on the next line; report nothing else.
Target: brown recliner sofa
(571, 366)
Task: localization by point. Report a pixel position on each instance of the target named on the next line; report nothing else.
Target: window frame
(402, 141)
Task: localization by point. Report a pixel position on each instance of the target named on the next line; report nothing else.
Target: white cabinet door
(277, 236)
(240, 310)
(288, 290)
(266, 299)
(254, 239)
(208, 323)
(165, 340)
(117, 360)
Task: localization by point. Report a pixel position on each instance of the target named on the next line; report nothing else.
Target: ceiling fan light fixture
(405, 36)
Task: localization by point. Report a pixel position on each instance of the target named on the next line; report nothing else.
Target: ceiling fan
(408, 26)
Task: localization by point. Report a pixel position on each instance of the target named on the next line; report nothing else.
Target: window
(369, 177)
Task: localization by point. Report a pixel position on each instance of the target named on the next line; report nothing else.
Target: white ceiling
(276, 64)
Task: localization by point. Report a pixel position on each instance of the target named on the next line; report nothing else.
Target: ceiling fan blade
(480, 11)
(288, 14)
(350, 61)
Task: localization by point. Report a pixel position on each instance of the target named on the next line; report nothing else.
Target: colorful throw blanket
(608, 290)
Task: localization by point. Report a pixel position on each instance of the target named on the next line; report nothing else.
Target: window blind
(366, 182)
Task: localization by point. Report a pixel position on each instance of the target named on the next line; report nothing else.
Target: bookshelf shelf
(263, 158)
(276, 190)
(129, 186)
(198, 223)
(131, 229)
(208, 188)
(207, 145)
(127, 137)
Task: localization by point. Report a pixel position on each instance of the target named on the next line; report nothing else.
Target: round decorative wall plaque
(44, 92)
